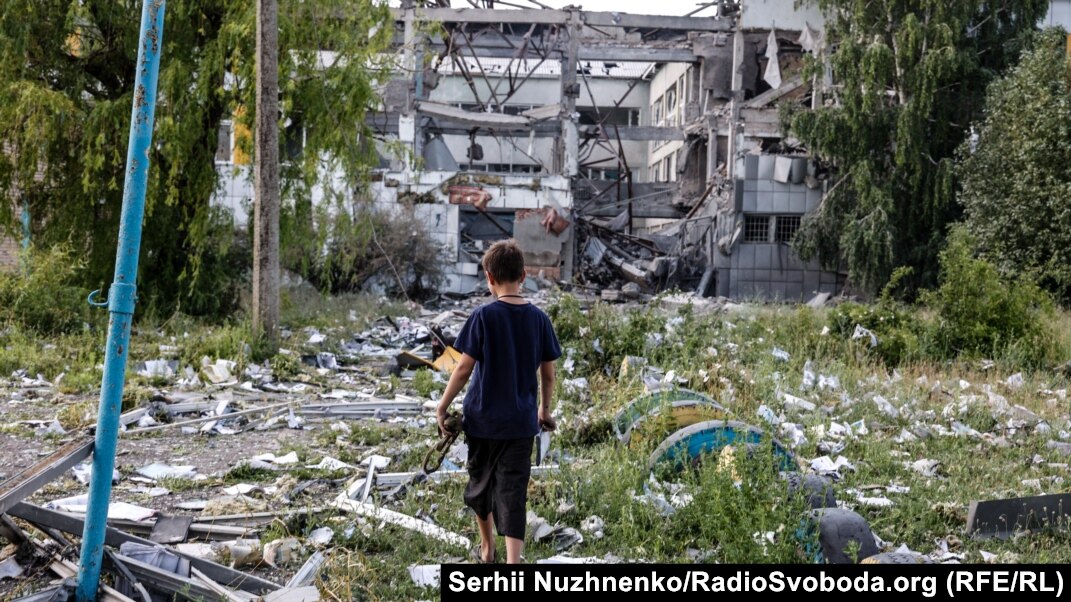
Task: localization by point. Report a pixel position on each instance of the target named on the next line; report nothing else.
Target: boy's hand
(440, 417)
(546, 421)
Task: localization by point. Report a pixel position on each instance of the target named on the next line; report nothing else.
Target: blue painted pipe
(122, 295)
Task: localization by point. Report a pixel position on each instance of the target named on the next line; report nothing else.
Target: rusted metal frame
(27, 482)
(483, 72)
(624, 161)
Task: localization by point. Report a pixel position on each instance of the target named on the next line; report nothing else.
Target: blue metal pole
(121, 296)
(25, 225)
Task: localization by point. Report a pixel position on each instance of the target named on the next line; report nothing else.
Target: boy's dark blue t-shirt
(508, 343)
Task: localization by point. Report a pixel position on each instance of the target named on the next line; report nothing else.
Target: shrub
(981, 313)
(377, 250)
(45, 298)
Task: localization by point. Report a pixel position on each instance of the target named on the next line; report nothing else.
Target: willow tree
(909, 79)
(66, 85)
(1016, 172)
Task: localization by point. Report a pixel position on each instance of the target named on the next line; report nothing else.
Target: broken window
(757, 228)
(671, 106)
(224, 145)
(656, 113)
(608, 116)
(787, 226)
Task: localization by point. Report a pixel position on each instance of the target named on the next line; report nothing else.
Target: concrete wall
(769, 270)
(509, 194)
(669, 75)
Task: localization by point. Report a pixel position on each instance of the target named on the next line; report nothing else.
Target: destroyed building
(613, 147)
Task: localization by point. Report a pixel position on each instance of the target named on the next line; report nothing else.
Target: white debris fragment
(329, 463)
(240, 489)
(863, 333)
(316, 338)
(905, 436)
(797, 404)
(375, 461)
(826, 466)
(157, 471)
(84, 471)
(886, 408)
(859, 429)
(964, 385)
(594, 525)
(290, 458)
(780, 354)
(872, 501)
(924, 467)
(217, 373)
(157, 369)
(322, 536)
(1015, 381)
(425, 575)
(768, 415)
(794, 435)
(116, 510)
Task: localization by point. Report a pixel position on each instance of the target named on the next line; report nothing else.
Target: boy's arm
(461, 375)
(546, 389)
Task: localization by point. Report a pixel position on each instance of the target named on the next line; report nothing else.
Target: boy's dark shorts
(499, 470)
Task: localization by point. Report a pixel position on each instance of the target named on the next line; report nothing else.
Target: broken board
(1004, 518)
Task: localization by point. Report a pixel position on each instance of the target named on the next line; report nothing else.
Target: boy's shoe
(475, 553)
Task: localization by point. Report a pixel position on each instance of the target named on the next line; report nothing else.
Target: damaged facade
(613, 147)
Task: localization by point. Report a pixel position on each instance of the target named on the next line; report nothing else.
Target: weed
(424, 383)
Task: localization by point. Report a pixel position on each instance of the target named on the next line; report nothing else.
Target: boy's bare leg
(514, 547)
(487, 537)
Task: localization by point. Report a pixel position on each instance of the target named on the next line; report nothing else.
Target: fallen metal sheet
(362, 409)
(124, 572)
(222, 592)
(114, 537)
(153, 429)
(402, 520)
(308, 572)
(204, 530)
(165, 581)
(297, 594)
(171, 529)
(1004, 518)
(27, 482)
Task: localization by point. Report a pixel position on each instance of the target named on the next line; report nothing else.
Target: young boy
(503, 344)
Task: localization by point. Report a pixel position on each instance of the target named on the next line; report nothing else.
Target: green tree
(66, 81)
(1016, 174)
(910, 77)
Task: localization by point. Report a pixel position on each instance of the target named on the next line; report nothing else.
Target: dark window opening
(787, 227)
(757, 228)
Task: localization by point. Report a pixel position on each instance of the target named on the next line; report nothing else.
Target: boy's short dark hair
(504, 261)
